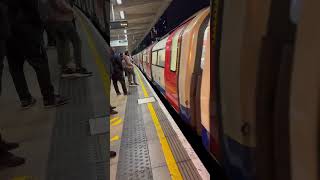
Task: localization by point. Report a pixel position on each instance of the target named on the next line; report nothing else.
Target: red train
(179, 66)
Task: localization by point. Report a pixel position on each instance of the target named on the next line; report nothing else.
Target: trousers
(21, 49)
(122, 82)
(65, 32)
(131, 76)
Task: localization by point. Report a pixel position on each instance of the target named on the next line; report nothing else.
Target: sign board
(118, 24)
(117, 43)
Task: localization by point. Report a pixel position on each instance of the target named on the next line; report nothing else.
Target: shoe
(136, 84)
(111, 107)
(55, 102)
(113, 154)
(118, 94)
(82, 72)
(27, 104)
(112, 112)
(67, 73)
(9, 160)
(8, 146)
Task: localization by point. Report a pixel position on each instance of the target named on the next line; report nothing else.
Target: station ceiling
(141, 16)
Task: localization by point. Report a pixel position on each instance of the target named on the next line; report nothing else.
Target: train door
(149, 62)
(243, 27)
(189, 61)
(273, 91)
(173, 46)
(144, 59)
(305, 93)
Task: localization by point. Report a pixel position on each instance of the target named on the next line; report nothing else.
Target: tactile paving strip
(74, 154)
(134, 161)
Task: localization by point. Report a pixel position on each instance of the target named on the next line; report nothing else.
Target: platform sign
(118, 43)
(118, 24)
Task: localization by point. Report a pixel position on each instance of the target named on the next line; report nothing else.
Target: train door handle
(245, 129)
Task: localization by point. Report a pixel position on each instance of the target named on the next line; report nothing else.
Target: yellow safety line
(117, 122)
(115, 138)
(114, 119)
(171, 162)
(98, 59)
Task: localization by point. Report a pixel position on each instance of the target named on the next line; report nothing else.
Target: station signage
(118, 24)
(118, 43)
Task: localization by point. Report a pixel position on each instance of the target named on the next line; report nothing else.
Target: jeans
(65, 32)
(131, 76)
(122, 82)
(20, 50)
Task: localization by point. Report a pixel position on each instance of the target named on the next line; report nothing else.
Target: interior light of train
(122, 14)
(119, 1)
(125, 31)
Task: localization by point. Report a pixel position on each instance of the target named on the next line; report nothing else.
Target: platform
(148, 142)
(57, 143)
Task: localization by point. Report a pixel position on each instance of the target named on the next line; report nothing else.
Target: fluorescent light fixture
(122, 14)
(126, 36)
(125, 31)
(119, 1)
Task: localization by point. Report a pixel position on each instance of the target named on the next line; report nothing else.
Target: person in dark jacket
(117, 74)
(25, 43)
(7, 159)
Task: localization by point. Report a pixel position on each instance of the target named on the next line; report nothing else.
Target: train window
(154, 57)
(175, 50)
(161, 57)
(205, 41)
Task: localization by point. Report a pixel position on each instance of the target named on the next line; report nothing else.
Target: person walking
(130, 69)
(117, 73)
(61, 18)
(25, 43)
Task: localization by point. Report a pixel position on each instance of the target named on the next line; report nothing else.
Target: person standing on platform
(25, 43)
(130, 69)
(61, 18)
(117, 73)
(7, 159)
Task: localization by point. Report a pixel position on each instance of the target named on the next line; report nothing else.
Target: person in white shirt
(130, 69)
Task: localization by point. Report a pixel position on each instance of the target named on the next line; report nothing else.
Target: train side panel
(158, 64)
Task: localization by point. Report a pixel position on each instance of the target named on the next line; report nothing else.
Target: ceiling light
(125, 31)
(119, 1)
(122, 14)
(112, 10)
(126, 36)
